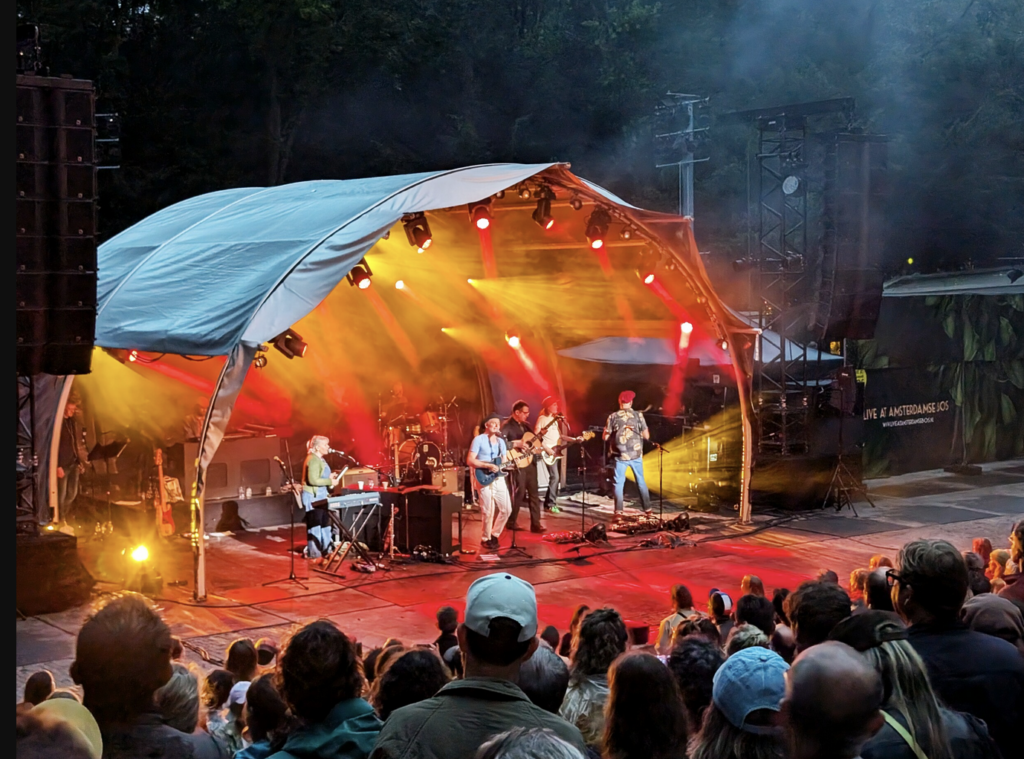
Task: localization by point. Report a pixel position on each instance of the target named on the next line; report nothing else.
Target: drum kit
(418, 442)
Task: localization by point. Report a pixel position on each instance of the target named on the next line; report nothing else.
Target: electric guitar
(485, 476)
(532, 447)
(566, 442)
(164, 518)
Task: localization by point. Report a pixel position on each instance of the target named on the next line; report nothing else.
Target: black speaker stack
(55, 243)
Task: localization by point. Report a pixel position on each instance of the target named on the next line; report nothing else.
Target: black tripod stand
(514, 548)
(289, 477)
(843, 481)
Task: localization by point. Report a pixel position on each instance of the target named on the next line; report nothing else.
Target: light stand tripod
(843, 482)
(290, 484)
(515, 548)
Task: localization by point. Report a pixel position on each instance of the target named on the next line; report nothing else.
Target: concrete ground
(782, 548)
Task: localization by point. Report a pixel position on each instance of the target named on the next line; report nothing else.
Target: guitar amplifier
(448, 479)
(353, 477)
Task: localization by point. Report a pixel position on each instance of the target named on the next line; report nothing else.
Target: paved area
(782, 548)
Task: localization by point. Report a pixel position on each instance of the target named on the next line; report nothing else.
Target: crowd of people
(918, 658)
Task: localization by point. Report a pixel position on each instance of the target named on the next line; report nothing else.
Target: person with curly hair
(320, 678)
(414, 675)
(701, 627)
(599, 641)
(644, 717)
(693, 662)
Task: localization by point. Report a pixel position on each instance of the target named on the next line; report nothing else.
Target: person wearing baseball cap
(498, 635)
(746, 696)
(487, 453)
(549, 429)
(627, 429)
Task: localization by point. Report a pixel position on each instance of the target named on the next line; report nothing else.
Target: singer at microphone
(317, 482)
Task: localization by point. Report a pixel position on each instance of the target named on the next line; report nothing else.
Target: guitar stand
(514, 548)
(350, 542)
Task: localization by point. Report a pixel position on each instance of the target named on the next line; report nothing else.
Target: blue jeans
(637, 465)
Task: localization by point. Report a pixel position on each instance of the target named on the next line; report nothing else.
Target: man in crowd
(876, 592)
(833, 703)
(496, 638)
(514, 428)
(971, 671)
(757, 611)
(627, 429)
(122, 656)
(544, 678)
(70, 460)
(815, 608)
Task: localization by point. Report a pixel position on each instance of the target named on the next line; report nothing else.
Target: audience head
(752, 585)
(645, 717)
(39, 687)
(858, 581)
(447, 619)
(59, 727)
(815, 608)
(178, 699)
(982, 547)
(565, 648)
(523, 743)
(783, 642)
(64, 693)
(682, 599)
(930, 582)
(744, 636)
(544, 678)
(385, 658)
(881, 637)
(123, 654)
(216, 688)
(879, 560)
(242, 660)
(318, 668)
(600, 639)
(266, 651)
(833, 702)
(997, 563)
(758, 611)
(415, 675)
(827, 575)
(779, 596)
(995, 616)
(877, 595)
(693, 662)
(265, 710)
(719, 605)
(1017, 543)
(973, 561)
(551, 637)
(701, 627)
(746, 697)
(499, 632)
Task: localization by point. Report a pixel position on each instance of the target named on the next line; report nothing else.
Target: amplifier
(445, 479)
(353, 477)
(428, 521)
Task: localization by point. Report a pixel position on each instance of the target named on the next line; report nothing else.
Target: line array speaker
(55, 235)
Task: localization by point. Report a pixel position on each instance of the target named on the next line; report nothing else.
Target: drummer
(397, 406)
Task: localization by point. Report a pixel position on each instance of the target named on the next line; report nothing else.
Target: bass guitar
(532, 447)
(566, 442)
(164, 519)
(485, 476)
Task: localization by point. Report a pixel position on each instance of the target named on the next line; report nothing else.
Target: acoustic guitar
(566, 442)
(532, 447)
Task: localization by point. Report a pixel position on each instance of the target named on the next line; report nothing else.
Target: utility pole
(680, 131)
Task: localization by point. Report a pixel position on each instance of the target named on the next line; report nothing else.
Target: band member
(627, 430)
(192, 425)
(70, 461)
(549, 439)
(526, 477)
(317, 480)
(486, 449)
(397, 406)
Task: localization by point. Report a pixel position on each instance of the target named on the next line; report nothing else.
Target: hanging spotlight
(513, 340)
(360, 276)
(724, 345)
(260, 360)
(417, 230)
(133, 356)
(480, 213)
(626, 233)
(542, 214)
(399, 285)
(686, 327)
(597, 228)
(499, 194)
(647, 277)
(576, 204)
(524, 192)
(291, 344)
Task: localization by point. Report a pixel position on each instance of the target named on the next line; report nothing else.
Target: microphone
(339, 453)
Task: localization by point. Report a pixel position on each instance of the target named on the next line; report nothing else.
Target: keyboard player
(317, 481)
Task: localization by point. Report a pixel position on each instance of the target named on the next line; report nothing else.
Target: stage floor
(782, 549)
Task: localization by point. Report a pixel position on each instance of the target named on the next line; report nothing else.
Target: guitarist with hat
(487, 454)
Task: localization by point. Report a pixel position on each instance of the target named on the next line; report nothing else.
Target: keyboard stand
(349, 541)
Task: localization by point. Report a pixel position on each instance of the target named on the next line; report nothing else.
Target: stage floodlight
(480, 213)
(400, 285)
(724, 345)
(291, 344)
(361, 275)
(597, 228)
(686, 327)
(513, 340)
(542, 214)
(417, 230)
(626, 233)
(133, 356)
(524, 192)
(647, 277)
(140, 553)
(576, 204)
(499, 194)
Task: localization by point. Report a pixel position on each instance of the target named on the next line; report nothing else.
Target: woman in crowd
(644, 716)
(601, 638)
(574, 625)
(682, 603)
(916, 722)
(266, 718)
(242, 660)
(178, 699)
(415, 675)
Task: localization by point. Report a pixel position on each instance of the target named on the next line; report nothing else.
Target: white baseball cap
(238, 693)
(501, 595)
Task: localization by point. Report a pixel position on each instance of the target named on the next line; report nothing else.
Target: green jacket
(317, 474)
(348, 732)
(463, 715)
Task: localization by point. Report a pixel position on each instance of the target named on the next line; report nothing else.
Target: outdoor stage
(782, 549)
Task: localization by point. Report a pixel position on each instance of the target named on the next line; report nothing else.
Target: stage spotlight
(499, 194)
(513, 340)
(469, 281)
(724, 345)
(910, 262)
(542, 214)
(140, 553)
(417, 230)
(576, 204)
(647, 277)
(524, 192)
(597, 228)
(361, 275)
(626, 233)
(480, 213)
(260, 360)
(133, 356)
(686, 327)
(399, 285)
(291, 344)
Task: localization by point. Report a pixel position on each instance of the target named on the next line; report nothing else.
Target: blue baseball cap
(749, 680)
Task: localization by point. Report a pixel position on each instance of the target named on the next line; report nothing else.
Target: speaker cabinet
(428, 521)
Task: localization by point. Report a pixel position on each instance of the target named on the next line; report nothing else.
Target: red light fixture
(480, 213)
(133, 356)
(360, 276)
(597, 228)
(417, 231)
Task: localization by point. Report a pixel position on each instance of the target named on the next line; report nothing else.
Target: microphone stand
(661, 486)
(289, 475)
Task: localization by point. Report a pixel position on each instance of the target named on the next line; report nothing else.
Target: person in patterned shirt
(627, 430)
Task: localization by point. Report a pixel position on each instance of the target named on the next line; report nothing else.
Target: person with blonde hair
(317, 480)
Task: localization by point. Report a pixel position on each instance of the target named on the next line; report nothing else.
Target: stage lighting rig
(513, 340)
(576, 203)
(360, 276)
(597, 228)
(480, 213)
(542, 214)
(417, 230)
(291, 344)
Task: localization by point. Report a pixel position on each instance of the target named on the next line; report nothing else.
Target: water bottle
(248, 493)
(269, 491)
(241, 493)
